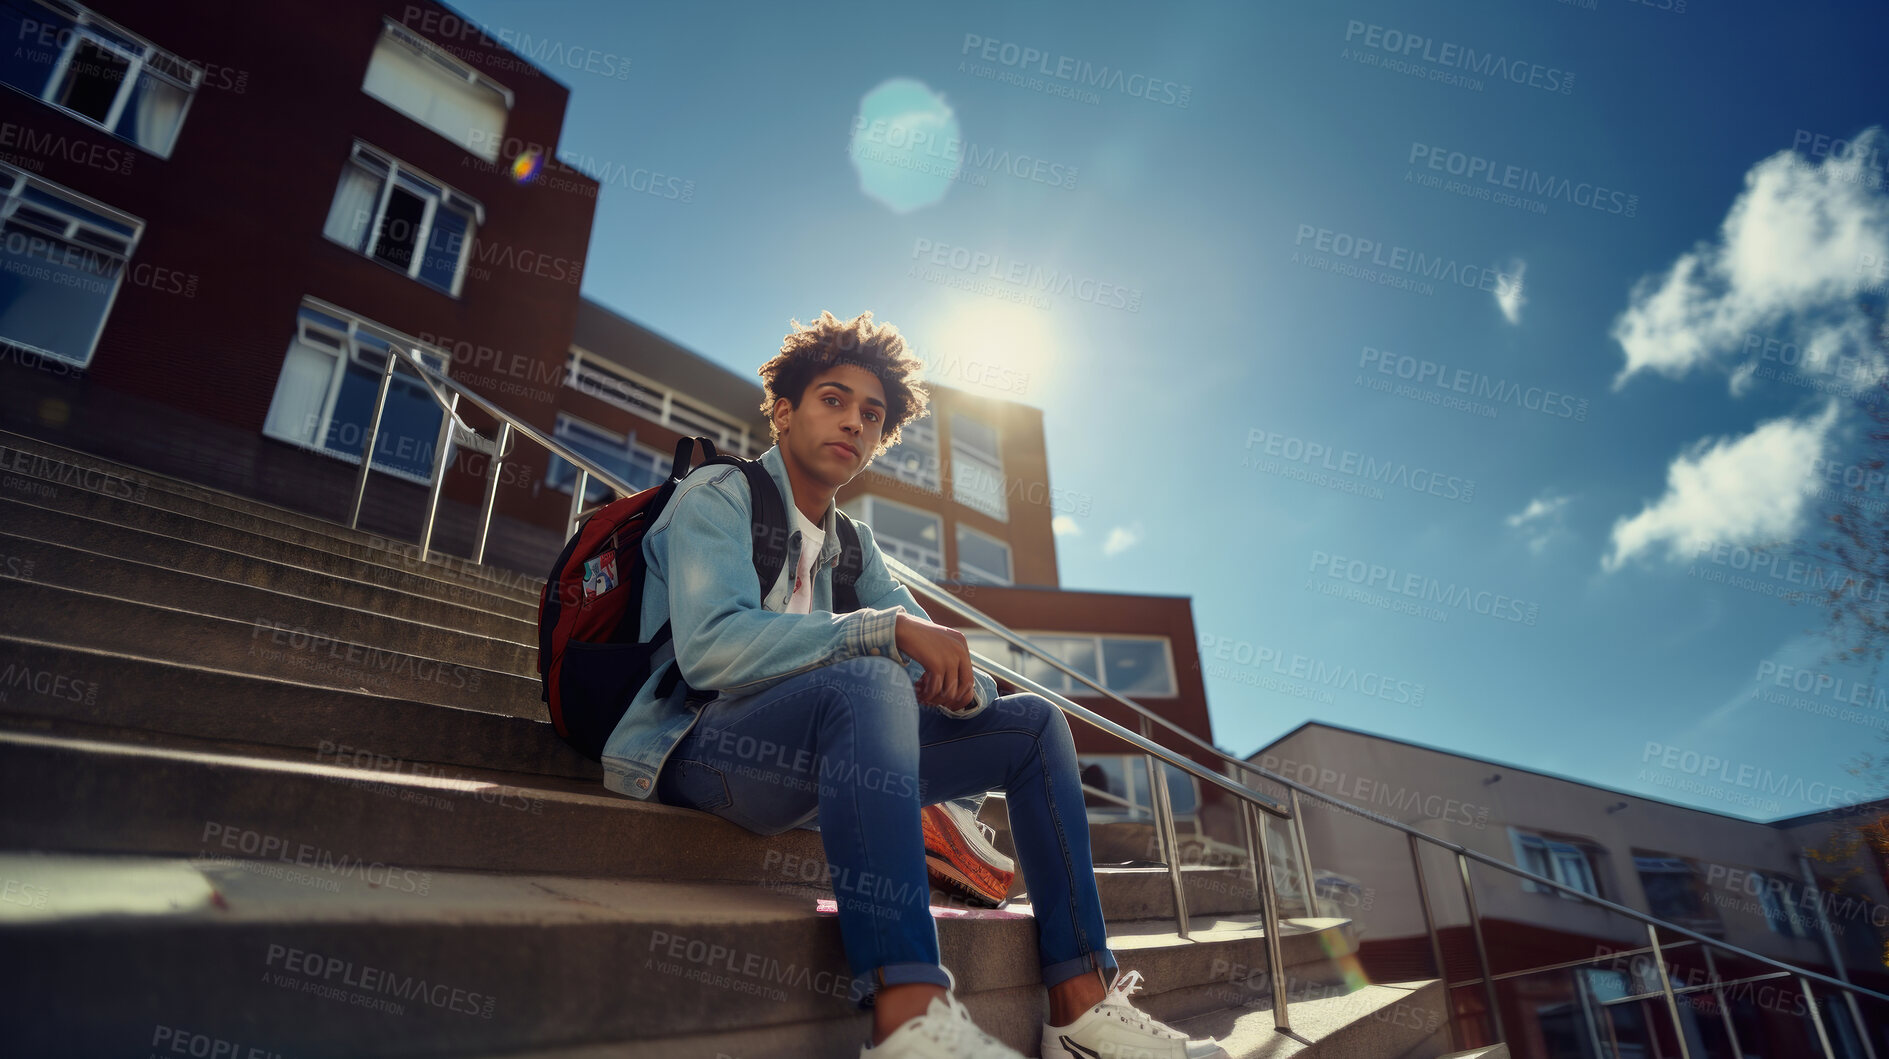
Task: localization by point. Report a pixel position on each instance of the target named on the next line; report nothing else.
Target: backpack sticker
(600, 575)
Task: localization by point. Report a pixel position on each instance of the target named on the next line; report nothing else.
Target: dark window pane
(409, 426)
(1136, 667)
(33, 36)
(400, 229)
(53, 294)
(443, 248)
(93, 80)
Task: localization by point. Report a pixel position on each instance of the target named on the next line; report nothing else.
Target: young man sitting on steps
(866, 718)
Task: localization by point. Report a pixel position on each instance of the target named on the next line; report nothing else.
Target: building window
(63, 255)
(982, 558)
(1782, 899)
(97, 71)
(977, 467)
(1112, 779)
(324, 398)
(915, 458)
(419, 79)
(1674, 891)
(1565, 860)
(617, 385)
(912, 536)
(406, 221)
(1128, 665)
(639, 465)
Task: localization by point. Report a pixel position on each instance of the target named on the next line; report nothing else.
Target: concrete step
(1146, 893)
(58, 689)
(191, 557)
(314, 949)
(21, 455)
(262, 644)
(66, 567)
(1379, 1021)
(112, 526)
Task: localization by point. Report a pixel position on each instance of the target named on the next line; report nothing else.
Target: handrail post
(1304, 850)
(491, 488)
(439, 477)
(1269, 910)
(1436, 943)
(1836, 956)
(578, 489)
(1816, 1017)
(1718, 995)
(367, 450)
(1482, 951)
(1165, 833)
(1666, 986)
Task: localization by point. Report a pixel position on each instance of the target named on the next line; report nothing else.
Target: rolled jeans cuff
(1058, 973)
(866, 987)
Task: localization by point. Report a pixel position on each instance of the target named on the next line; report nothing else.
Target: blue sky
(1623, 314)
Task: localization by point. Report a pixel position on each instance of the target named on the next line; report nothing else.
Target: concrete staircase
(276, 787)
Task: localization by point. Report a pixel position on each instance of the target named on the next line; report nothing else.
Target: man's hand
(946, 657)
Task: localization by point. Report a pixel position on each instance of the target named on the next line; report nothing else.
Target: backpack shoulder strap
(852, 564)
(769, 525)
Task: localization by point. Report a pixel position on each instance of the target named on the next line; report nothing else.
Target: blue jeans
(849, 744)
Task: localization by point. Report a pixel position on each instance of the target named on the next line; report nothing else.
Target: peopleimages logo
(1749, 777)
(1521, 179)
(1400, 259)
(1423, 587)
(1447, 56)
(1077, 71)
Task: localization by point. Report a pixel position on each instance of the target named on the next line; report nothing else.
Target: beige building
(1730, 878)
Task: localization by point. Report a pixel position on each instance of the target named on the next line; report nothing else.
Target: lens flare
(526, 166)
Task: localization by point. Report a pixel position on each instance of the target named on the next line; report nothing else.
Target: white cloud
(1121, 538)
(1790, 254)
(1738, 490)
(1509, 297)
(1540, 520)
(1064, 526)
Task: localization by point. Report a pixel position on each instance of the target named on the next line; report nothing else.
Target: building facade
(219, 216)
(1734, 879)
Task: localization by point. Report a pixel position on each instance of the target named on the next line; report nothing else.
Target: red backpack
(591, 656)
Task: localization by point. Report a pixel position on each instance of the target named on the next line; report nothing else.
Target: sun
(1003, 350)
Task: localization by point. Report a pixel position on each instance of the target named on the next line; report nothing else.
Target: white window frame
(95, 238)
(452, 64)
(922, 437)
(347, 352)
(614, 384)
(964, 453)
(1065, 684)
(973, 572)
(1562, 858)
(366, 157)
(88, 25)
(927, 561)
(660, 461)
(1656, 863)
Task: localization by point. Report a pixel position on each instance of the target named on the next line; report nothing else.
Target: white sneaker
(1115, 1029)
(944, 1031)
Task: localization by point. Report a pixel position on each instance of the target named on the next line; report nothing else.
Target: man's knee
(1033, 710)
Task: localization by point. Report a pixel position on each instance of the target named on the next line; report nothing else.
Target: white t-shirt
(812, 539)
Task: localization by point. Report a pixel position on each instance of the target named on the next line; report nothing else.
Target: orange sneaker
(960, 856)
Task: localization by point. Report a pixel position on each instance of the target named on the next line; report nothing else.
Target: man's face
(833, 434)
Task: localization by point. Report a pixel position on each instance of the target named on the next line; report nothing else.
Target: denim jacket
(730, 640)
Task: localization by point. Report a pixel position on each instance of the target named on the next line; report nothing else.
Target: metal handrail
(440, 386)
(1464, 855)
